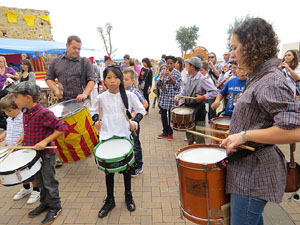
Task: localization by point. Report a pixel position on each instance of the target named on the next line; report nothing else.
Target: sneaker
(58, 163)
(35, 195)
(170, 137)
(153, 106)
(22, 193)
(37, 211)
(185, 139)
(137, 172)
(51, 216)
(163, 135)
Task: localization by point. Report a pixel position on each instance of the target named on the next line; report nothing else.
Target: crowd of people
(258, 90)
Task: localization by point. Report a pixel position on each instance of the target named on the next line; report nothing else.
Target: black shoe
(37, 211)
(129, 202)
(109, 204)
(51, 216)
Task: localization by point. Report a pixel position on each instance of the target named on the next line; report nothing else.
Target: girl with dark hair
(145, 80)
(266, 114)
(114, 103)
(291, 69)
(27, 73)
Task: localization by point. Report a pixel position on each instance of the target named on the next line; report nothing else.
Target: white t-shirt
(14, 129)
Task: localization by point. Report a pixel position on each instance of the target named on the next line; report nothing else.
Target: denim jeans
(166, 121)
(246, 210)
(137, 148)
(47, 182)
(211, 113)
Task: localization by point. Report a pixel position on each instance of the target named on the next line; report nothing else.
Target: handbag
(142, 83)
(293, 171)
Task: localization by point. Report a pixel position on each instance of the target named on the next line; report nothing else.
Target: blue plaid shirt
(137, 93)
(169, 90)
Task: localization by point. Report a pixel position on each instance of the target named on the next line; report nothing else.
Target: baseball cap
(195, 61)
(25, 87)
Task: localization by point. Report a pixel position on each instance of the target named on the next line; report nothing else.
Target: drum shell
(218, 126)
(192, 178)
(181, 122)
(18, 175)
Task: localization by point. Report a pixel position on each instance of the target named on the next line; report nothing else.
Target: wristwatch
(243, 133)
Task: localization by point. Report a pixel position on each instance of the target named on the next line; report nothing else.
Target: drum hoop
(218, 125)
(117, 169)
(197, 218)
(119, 158)
(198, 169)
(183, 107)
(84, 105)
(28, 165)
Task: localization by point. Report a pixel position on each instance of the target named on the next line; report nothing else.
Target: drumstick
(210, 129)
(10, 151)
(30, 147)
(129, 121)
(181, 96)
(218, 139)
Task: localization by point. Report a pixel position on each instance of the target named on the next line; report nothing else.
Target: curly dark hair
(295, 60)
(259, 42)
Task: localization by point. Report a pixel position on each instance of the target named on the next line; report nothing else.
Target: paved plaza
(82, 190)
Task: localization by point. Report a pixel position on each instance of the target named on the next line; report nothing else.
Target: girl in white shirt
(114, 103)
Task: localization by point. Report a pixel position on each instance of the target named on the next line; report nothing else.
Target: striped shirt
(169, 90)
(266, 101)
(68, 72)
(14, 129)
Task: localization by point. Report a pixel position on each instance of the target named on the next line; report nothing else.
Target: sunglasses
(211, 57)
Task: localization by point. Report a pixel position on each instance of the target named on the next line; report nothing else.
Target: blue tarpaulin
(12, 46)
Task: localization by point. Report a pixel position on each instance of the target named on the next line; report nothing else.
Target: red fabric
(13, 58)
(38, 64)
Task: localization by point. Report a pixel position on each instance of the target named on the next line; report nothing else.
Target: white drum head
(203, 155)
(113, 148)
(225, 121)
(68, 108)
(17, 159)
(183, 111)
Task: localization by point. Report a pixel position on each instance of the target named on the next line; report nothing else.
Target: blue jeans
(211, 113)
(137, 148)
(246, 210)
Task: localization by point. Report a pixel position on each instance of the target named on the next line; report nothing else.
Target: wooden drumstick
(30, 147)
(10, 151)
(210, 129)
(218, 139)
(181, 96)
(129, 121)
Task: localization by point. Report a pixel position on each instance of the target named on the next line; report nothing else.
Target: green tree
(186, 38)
(237, 21)
(106, 38)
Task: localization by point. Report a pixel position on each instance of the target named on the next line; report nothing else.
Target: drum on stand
(19, 166)
(47, 96)
(222, 124)
(182, 118)
(81, 137)
(114, 154)
(202, 183)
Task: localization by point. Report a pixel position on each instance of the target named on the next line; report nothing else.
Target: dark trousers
(166, 120)
(146, 95)
(47, 182)
(211, 113)
(137, 148)
(109, 180)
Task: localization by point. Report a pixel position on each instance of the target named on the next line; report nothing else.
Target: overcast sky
(147, 28)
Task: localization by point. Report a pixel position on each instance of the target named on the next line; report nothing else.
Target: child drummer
(41, 127)
(201, 88)
(115, 103)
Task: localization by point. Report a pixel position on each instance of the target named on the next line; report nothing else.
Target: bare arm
(88, 89)
(54, 88)
(42, 144)
(217, 102)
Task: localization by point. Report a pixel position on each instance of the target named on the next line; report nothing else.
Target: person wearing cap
(67, 69)
(169, 82)
(201, 88)
(41, 128)
(126, 62)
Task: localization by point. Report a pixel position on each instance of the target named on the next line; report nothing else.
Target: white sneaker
(22, 193)
(35, 195)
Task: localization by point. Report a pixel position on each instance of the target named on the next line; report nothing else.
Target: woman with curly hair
(266, 114)
(291, 69)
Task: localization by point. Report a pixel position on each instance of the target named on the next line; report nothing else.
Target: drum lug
(18, 175)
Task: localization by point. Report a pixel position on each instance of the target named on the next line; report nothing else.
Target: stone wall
(20, 30)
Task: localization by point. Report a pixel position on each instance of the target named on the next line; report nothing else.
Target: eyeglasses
(211, 57)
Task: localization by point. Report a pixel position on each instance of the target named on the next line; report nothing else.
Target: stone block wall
(20, 30)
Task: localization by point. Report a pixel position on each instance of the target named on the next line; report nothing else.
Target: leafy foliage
(186, 38)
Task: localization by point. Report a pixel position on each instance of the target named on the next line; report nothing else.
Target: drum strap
(83, 74)
(241, 153)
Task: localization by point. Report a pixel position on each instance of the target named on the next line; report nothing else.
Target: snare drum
(222, 124)
(202, 183)
(19, 166)
(182, 118)
(81, 137)
(114, 154)
(47, 96)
